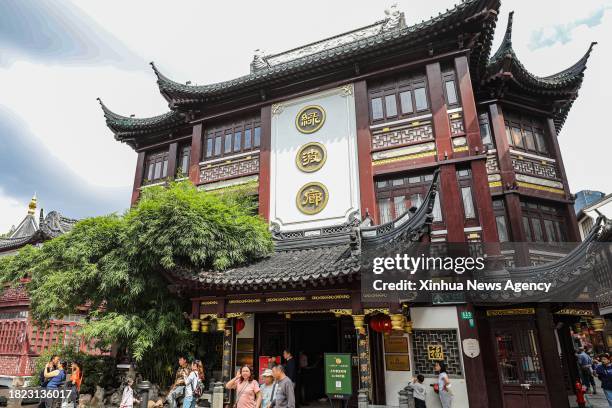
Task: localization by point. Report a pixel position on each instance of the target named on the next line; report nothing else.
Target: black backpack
(42, 379)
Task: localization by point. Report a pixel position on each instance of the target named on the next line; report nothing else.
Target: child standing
(418, 391)
(128, 400)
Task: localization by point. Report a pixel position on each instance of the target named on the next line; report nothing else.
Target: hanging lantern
(381, 323)
(240, 325)
(195, 325)
(598, 324)
(205, 326)
(221, 323)
(397, 322)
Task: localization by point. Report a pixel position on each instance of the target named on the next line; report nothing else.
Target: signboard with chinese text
(338, 368)
(435, 352)
(314, 172)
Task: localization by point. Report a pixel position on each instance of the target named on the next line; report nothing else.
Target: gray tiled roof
(53, 225)
(288, 268)
(563, 85)
(337, 253)
(465, 13)
(569, 274)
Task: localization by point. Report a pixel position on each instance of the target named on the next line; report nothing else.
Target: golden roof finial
(32, 205)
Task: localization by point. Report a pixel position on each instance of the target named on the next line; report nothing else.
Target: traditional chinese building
(389, 134)
(21, 341)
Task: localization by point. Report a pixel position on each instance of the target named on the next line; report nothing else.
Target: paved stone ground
(597, 401)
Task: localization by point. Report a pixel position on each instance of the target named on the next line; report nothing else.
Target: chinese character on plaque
(310, 119)
(312, 198)
(311, 157)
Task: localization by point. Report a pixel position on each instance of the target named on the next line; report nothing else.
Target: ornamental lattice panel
(229, 170)
(448, 339)
(534, 168)
(456, 126)
(402, 136)
(492, 165)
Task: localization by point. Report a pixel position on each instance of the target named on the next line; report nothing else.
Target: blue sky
(57, 56)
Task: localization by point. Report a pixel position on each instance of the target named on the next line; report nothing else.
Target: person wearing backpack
(45, 374)
(193, 387)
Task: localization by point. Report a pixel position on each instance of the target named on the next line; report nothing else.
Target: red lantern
(380, 323)
(240, 325)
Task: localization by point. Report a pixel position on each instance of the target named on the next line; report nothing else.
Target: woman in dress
(248, 394)
(444, 385)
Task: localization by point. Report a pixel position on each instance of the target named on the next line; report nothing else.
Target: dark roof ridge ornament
(259, 60)
(395, 18)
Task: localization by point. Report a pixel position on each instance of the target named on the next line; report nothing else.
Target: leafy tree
(116, 266)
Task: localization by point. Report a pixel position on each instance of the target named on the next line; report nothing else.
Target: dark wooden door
(519, 365)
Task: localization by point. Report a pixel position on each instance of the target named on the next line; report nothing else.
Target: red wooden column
(364, 147)
(196, 154)
(512, 201)
(572, 224)
(450, 198)
(172, 153)
(480, 180)
(138, 176)
(264, 162)
(474, 367)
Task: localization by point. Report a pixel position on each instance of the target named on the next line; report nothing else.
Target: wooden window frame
(465, 180)
(394, 86)
(389, 191)
(151, 161)
(184, 153)
(533, 125)
(230, 128)
(542, 212)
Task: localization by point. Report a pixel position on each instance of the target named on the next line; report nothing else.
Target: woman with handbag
(248, 394)
(444, 385)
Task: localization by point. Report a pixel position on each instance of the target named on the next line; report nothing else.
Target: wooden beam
(364, 147)
(172, 155)
(264, 162)
(196, 154)
(138, 176)
(474, 367)
(450, 197)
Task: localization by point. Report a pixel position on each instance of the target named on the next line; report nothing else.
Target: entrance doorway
(519, 364)
(308, 337)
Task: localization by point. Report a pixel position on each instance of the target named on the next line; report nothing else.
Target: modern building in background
(585, 198)
(380, 137)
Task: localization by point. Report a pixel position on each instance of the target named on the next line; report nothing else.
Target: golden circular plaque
(311, 157)
(310, 119)
(312, 198)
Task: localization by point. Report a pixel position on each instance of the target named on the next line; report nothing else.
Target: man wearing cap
(267, 388)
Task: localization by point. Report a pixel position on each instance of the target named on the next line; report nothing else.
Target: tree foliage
(116, 265)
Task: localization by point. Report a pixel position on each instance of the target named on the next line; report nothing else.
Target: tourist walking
(444, 385)
(248, 394)
(604, 372)
(284, 396)
(267, 388)
(192, 384)
(128, 399)
(585, 365)
(178, 388)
